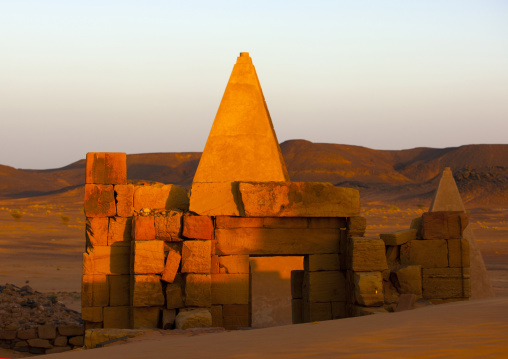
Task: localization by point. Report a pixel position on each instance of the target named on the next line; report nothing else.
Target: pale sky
(148, 76)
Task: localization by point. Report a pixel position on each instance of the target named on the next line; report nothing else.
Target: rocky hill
(481, 171)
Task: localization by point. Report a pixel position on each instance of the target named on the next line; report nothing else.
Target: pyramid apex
(447, 196)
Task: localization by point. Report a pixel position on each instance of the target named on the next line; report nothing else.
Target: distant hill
(481, 171)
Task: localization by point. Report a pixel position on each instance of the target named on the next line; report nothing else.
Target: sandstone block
(119, 231)
(168, 318)
(432, 253)
(106, 168)
(25, 334)
(46, 331)
(91, 314)
(416, 223)
(406, 302)
(393, 256)
(235, 316)
(71, 330)
(143, 228)
(97, 231)
(107, 260)
(198, 290)
(60, 341)
(458, 253)
(7, 334)
(195, 318)
(92, 325)
(227, 222)
(399, 237)
(234, 264)
(97, 336)
(40, 343)
(146, 291)
(368, 288)
(268, 241)
(339, 310)
(298, 199)
(214, 263)
(366, 255)
(297, 283)
(444, 283)
(99, 200)
(197, 227)
(230, 288)
(171, 267)
(168, 227)
(297, 311)
(196, 256)
(77, 341)
(391, 293)
(161, 197)
(119, 290)
(408, 279)
(356, 226)
(316, 312)
(145, 317)
(321, 262)
(124, 194)
(443, 225)
(174, 296)
(327, 222)
(215, 199)
(94, 291)
(325, 286)
(148, 257)
(216, 312)
(285, 222)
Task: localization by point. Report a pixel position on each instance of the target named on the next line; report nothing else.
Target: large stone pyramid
(242, 145)
(448, 198)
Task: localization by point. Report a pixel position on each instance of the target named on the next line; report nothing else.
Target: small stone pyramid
(242, 145)
(448, 198)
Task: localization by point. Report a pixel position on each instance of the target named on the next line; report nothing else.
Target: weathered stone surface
(286, 222)
(107, 260)
(399, 237)
(119, 231)
(393, 256)
(314, 312)
(146, 291)
(195, 318)
(46, 331)
(77, 341)
(327, 222)
(235, 316)
(97, 231)
(297, 310)
(117, 317)
(390, 292)
(242, 145)
(297, 283)
(406, 302)
(99, 200)
(234, 264)
(124, 194)
(442, 283)
(458, 253)
(366, 254)
(215, 199)
(143, 228)
(277, 241)
(431, 253)
(97, 336)
(197, 227)
(298, 199)
(171, 267)
(71, 330)
(368, 288)
(227, 222)
(25, 334)
(174, 296)
(216, 312)
(7, 334)
(321, 262)
(148, 257)
(198, 290)
(94, 291)
(106, 168)
(339, 310)
(230, 288)
(326, 286)
(356, 226)
(92, 314)
(161, 197)
(443, 225)
(168, 227)
(119, 290)
(168, 318)
(40, 343)
(60, 341)
(408, 279)
(196, 256)
(145, 317)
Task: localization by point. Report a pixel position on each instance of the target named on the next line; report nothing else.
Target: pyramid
(242, 145)
(448, 198)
